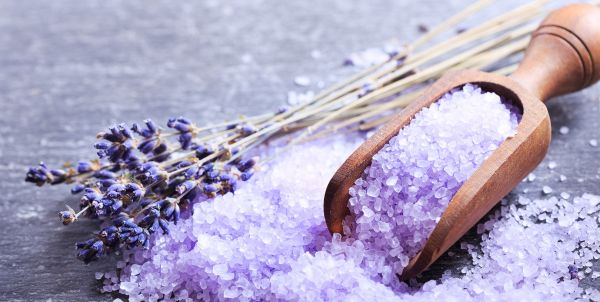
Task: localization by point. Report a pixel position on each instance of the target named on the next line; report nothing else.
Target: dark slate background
(70, 68)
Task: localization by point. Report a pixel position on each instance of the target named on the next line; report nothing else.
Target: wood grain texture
(70, 68)
(558, 60)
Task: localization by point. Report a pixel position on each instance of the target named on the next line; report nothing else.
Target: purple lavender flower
(247, 175)
(137, 186)
(41, 175)
(184, 127)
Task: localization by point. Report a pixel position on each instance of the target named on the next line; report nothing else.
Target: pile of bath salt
(534, 250)
(269, 242)
(232, 245)
(556, 246)
(399, 199)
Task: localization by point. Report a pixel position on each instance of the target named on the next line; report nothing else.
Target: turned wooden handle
(564, 53)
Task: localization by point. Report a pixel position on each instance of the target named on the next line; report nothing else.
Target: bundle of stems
(374, 95)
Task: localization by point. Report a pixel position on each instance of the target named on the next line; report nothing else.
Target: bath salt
(269, 242)
(399, 199)
(233, 245)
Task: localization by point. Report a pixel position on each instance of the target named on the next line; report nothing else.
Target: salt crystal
(547, 190)
(373, 190)
(564, 130)
(552, 165)
(367, 212)
(391, 181)
(565, 195)
(230, 293)
(135, 269)
(302, 81)
(316, 54)
(562, 178)
(220, 269)
(593, 142)
(297, 98)
(247, 58)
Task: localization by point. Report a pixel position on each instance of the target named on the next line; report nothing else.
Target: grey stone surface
(70, 68)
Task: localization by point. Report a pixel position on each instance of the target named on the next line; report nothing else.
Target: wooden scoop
(562, 57)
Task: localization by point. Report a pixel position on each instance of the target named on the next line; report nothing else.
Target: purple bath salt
(269, 242)
(398, 200)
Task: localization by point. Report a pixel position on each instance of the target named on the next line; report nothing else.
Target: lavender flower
(145, 178)
(41, 175)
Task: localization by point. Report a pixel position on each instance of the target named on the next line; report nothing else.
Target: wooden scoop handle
(564, 53)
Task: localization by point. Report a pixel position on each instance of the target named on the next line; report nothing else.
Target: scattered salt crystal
(531, 177)
(552, 165)
(302, 81)
(562, 178)
(98, 275)
(373, 56)
(547, 190)
(247, 58)
(593, 142)
(297, 98)
(316, 54)
(565, 195)
(564, 130)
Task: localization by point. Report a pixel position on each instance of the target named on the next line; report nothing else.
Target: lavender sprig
(143, 180)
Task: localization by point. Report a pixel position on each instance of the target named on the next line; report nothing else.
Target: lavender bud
(247, 175)
(83, 167)
(67, 217)
(78, 188)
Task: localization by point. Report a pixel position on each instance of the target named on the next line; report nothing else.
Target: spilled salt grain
(593, 142)
(564, 130)
(296, 98)
(552, 165)
(302, 81)
(547, 190)
(316, 54)
(373, 56)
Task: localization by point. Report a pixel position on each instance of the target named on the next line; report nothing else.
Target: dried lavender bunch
(146, 177)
